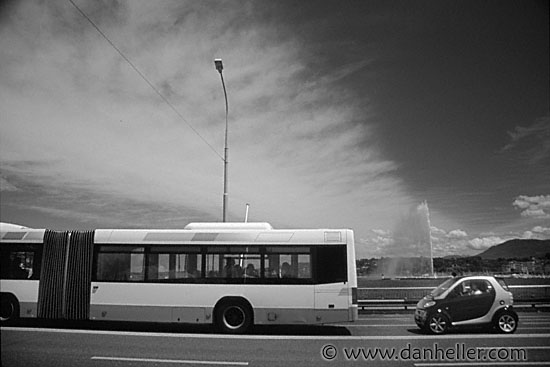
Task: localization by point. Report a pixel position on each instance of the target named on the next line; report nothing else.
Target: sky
(387, 117)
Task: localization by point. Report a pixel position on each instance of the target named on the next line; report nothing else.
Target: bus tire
(233, 316)
(9, 307)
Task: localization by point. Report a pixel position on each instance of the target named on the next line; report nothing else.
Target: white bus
(234, 275)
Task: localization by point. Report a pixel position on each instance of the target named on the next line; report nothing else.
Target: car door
(469, 300)
(482, 297)
(457, 303)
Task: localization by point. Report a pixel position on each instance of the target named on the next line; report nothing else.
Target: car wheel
(506, 322)
(233, 317)
(437, 323)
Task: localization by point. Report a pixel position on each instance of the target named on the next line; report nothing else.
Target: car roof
(467, 277)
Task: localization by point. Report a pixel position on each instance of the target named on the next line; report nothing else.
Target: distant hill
(517, 249)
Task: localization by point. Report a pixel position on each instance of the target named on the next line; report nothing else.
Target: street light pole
(219, 67)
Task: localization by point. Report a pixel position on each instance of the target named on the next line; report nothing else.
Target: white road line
(179, 361)
(455, 364)
(521, 326)
(282, 337)
(378, 325)
(536, 315)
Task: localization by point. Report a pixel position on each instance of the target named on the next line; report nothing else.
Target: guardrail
(405, 298)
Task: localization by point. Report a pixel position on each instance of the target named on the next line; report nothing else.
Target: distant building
(532, 266)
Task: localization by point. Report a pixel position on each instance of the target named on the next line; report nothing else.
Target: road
(394, 338)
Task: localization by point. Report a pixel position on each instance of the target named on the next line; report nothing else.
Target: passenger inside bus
(285, 270)
(250, 271)
(232, 270)
(228, 268)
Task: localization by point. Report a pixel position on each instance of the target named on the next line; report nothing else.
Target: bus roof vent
(333, 236)
(5, 227)
(14, 235)
(235, 226)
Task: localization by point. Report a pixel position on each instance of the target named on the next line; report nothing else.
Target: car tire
(233, 317)
(437, 323)
(506, 322)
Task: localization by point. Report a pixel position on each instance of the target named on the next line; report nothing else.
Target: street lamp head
(219, 65)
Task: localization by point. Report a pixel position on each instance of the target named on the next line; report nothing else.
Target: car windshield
(443, 287)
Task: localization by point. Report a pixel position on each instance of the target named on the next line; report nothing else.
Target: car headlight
(429, 304)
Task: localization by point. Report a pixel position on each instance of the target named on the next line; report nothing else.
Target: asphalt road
(375, 340)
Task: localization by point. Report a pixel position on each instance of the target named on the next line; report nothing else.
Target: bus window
(170, 263)
(120, 264)
(18, 262)
(251, 265)
(288, 263)
(214, 266)
(232, 267)
(331, 264)
(233, 262)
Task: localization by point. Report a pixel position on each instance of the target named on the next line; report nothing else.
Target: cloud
(78, 121)
(542, 230)
(437, 232)
(534, 213)
(411, 238)
(485, 242)
(538, 233)
(383, 243)
(5, 185)
(381, 232)
(533, 141)
(457, 233)
(533, 206)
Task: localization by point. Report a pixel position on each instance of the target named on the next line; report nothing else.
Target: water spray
(425, 204)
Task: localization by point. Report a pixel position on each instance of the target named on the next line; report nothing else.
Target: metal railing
(405, 298)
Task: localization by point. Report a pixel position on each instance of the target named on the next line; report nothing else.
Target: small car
(467, 301)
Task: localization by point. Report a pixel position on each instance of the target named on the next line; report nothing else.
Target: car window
(473, 287)
(443, 287)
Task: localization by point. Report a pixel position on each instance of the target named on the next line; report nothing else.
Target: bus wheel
(9, 308)
(233, 317)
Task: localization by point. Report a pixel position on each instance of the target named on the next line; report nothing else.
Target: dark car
(465, 301)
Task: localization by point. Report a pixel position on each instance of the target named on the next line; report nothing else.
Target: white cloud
(76, 117)
(381, 232)
(5, 185)
(533, 140)
(533, 206)
(534, 213)
(527, 235)
(540, 229)
(437, 232)
(485, 242)
(538, 233)
(457, 233)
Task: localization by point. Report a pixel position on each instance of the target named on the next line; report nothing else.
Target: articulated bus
(233, 275)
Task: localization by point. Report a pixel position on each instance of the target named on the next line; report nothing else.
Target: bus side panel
(352, 278)
(194, 303)
(282, 303)
(332, 302)
(26, 292)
